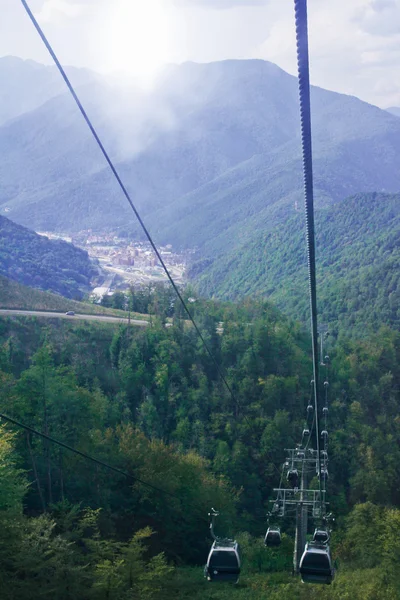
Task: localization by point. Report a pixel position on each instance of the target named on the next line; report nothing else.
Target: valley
(212, 161)
(124, 263)
(211, 156)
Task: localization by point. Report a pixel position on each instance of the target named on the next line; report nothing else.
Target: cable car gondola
(273, 537)
(321, 536)
(316, 564)
(293, 478)
(324, 474)
(223, 563)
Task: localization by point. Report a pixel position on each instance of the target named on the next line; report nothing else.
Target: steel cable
(306, 140)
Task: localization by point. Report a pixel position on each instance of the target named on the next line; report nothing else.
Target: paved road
(57, 315)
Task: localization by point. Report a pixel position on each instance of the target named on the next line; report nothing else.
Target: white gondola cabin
(273, 537)
(223, 562)
(316, 564)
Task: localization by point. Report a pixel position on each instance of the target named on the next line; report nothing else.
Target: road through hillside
(57, 315)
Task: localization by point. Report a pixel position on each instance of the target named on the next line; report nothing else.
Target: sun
(140, 37)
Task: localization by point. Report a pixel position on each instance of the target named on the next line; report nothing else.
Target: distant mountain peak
(16, 62)
(235, 65)
(26, 84)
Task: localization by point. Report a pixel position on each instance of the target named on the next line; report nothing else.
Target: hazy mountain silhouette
(26, 84)
(211, 154)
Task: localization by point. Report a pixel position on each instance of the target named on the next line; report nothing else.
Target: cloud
(379, 17)
(54, 10)
(378, 5)
(220, 4)
(354, 44)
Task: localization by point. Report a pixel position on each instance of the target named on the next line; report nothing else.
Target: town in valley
(125, 263)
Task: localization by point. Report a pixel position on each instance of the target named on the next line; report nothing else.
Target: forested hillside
(151, 403)
(36, 261)
(358, 261)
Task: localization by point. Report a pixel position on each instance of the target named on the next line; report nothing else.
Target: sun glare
(140, 37)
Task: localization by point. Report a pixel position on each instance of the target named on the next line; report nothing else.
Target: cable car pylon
(311, 559)
(301, 524)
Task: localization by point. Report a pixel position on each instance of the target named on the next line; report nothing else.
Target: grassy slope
(16, 296)
(189, 584)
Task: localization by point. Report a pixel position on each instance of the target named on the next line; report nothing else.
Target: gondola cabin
(293, 478)
(273, 537)
(324, 474)
(223, 562)
(316, 564)
(321, 536)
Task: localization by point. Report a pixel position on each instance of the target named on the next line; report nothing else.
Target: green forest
(358, 265)
(150, 402)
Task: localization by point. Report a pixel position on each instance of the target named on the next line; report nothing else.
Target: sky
(354, 44)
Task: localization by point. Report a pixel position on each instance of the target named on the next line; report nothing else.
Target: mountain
(354, 148)
(36, 261)
(394, 110)
(26, 84)
(211, 155)
(191, 129)
(358, 263)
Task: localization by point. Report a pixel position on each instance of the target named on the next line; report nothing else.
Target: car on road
(70, 313)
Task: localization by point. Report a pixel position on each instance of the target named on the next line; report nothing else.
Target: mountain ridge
(36, 261)
(29, 84)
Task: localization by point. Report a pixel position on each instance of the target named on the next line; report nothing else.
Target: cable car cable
(311, 432)
(305, 119)
(94, 459)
